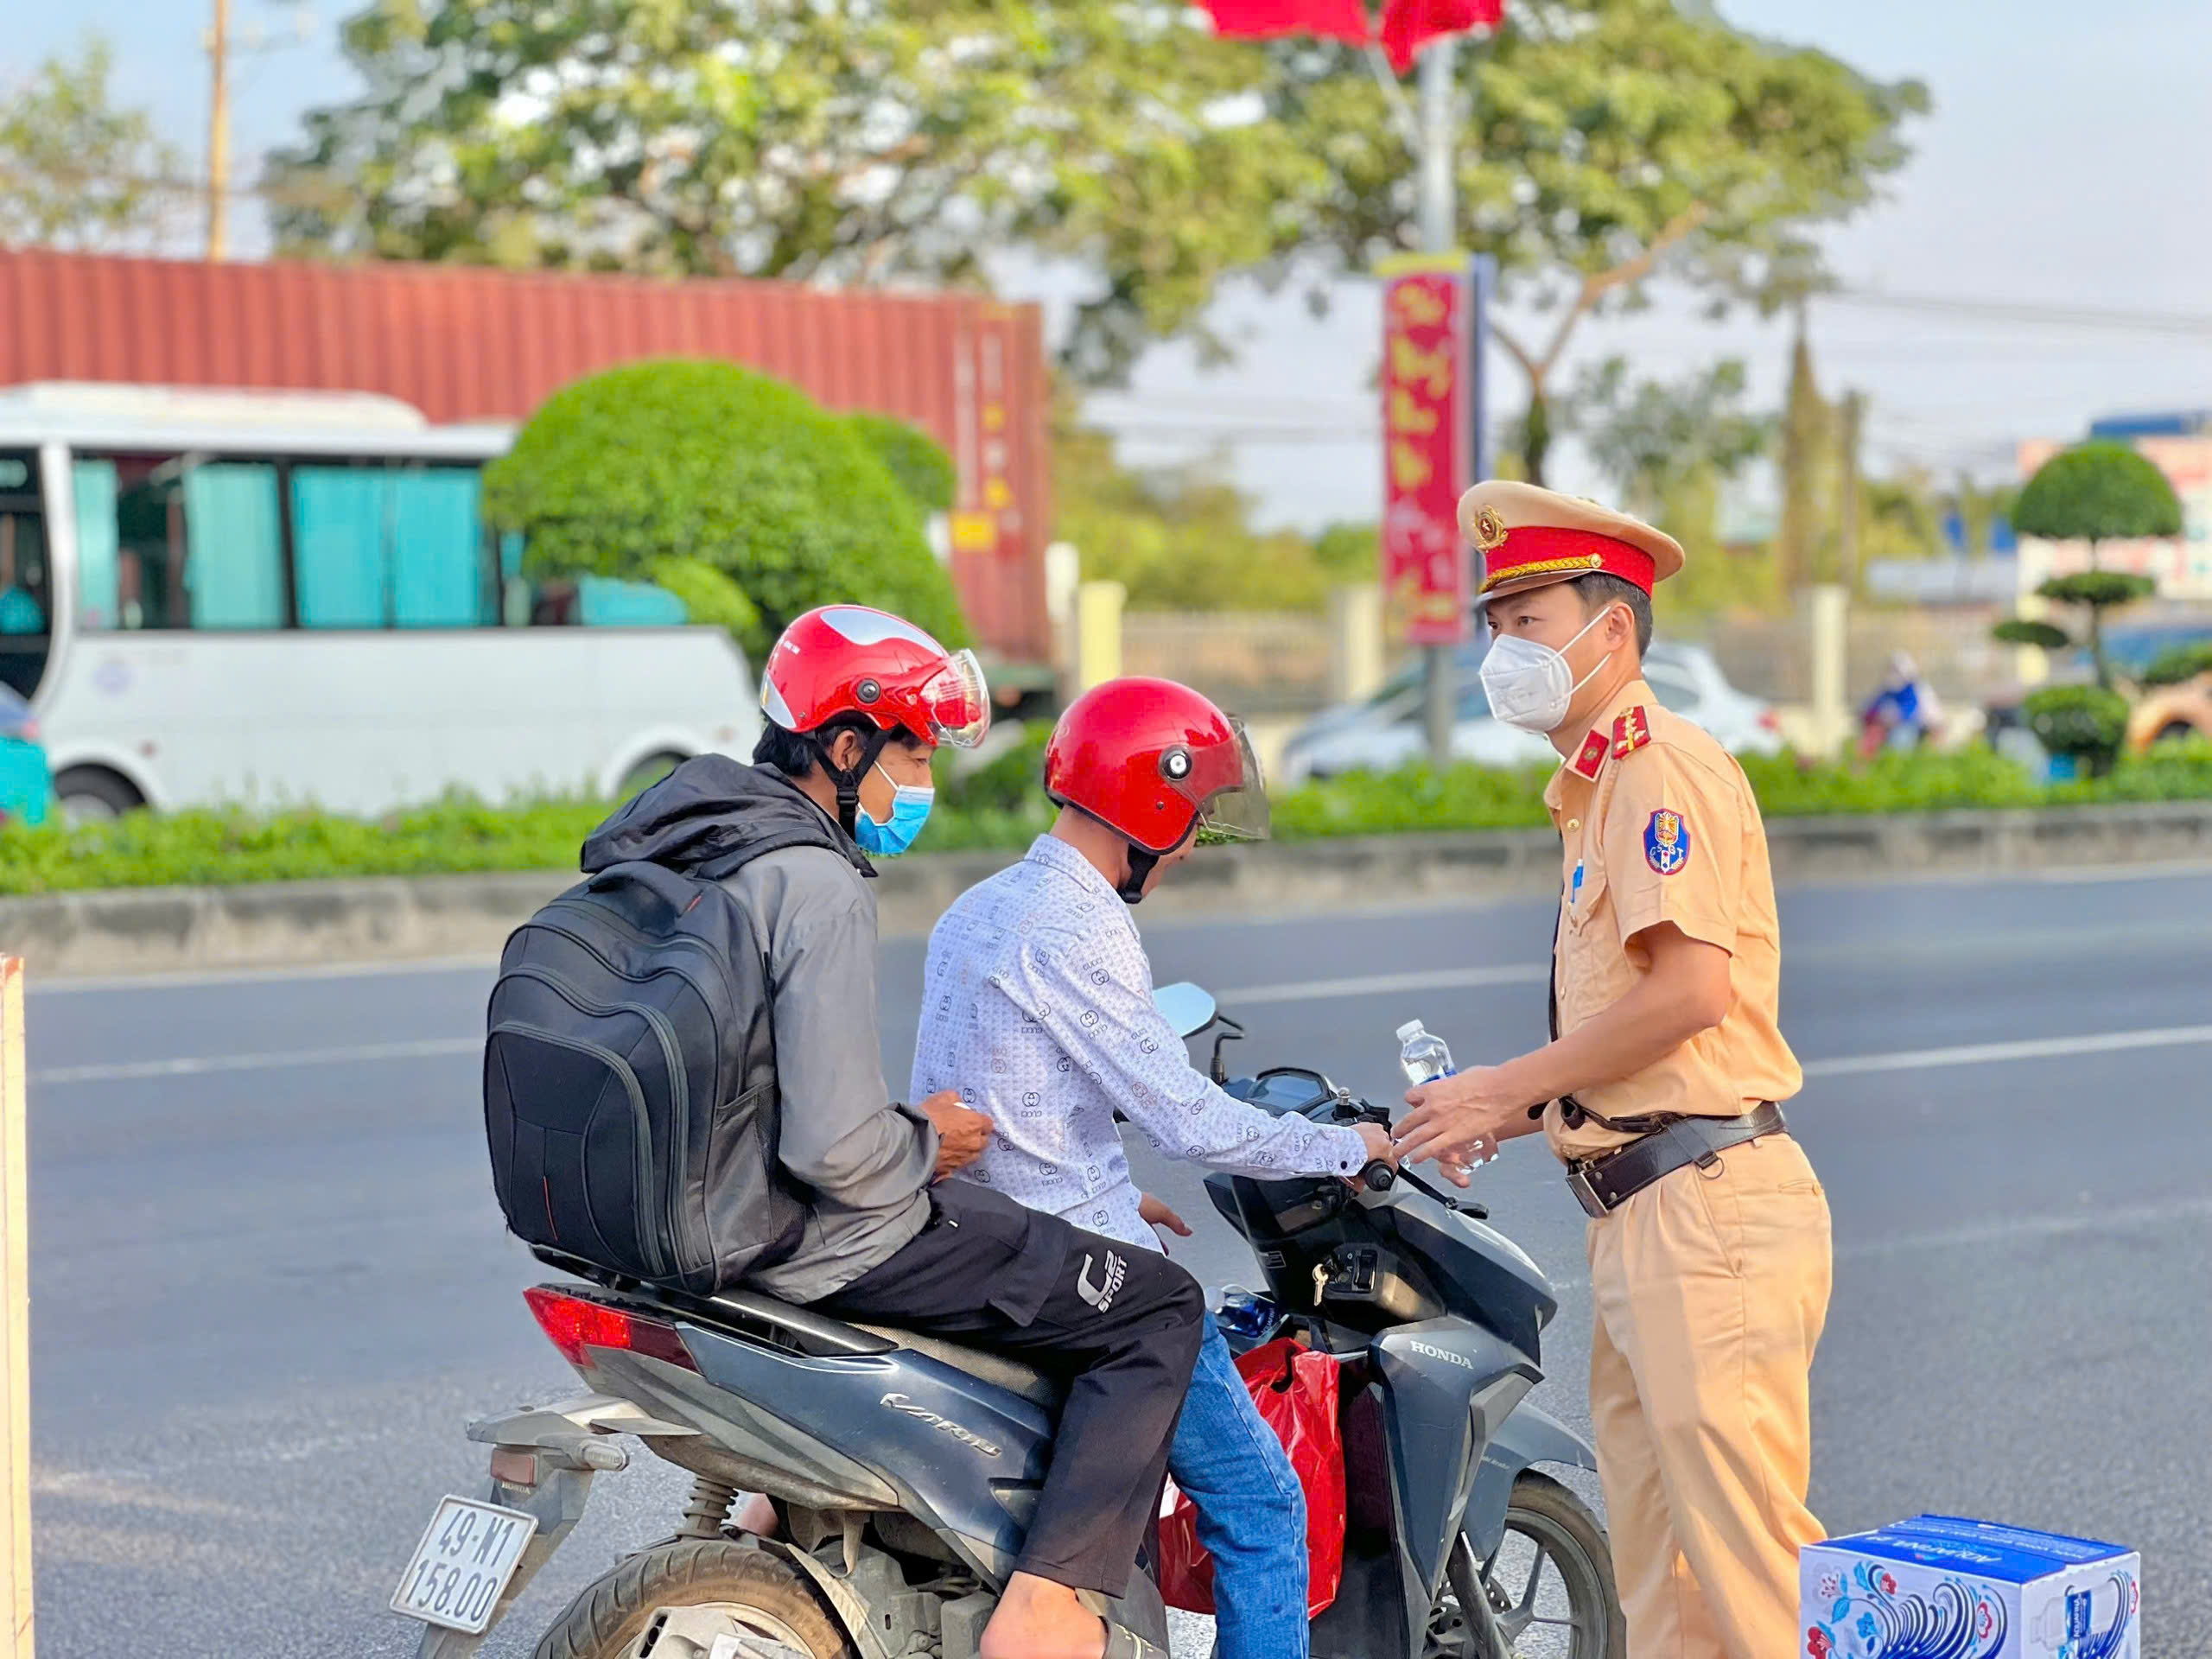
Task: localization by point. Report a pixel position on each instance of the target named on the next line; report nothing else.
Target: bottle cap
(1406, 1032)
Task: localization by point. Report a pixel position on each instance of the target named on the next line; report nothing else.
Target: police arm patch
(1666, 841)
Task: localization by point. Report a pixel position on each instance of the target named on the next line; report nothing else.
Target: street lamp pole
(1437, 225)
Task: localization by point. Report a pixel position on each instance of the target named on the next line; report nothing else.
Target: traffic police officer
(1708, 1238)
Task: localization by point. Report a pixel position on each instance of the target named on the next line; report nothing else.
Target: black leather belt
(1602, 1185)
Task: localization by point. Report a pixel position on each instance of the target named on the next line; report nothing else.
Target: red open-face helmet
(848, 659)
(1153, 760)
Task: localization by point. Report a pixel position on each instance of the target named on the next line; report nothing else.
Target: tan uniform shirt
(1658, 823)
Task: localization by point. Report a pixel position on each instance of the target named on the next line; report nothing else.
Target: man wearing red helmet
(1038, 1006)
(856, 700)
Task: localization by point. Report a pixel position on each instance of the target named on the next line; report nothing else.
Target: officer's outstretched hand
(961, 1134)
(1456, 1120)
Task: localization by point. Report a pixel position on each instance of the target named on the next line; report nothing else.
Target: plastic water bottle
(1423, 1055)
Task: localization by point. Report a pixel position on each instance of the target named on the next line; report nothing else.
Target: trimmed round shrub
(2096, 492)
(710, 596)
(2099, 589)
(2023, 630)
(690, 459)
(2085, 720)
(2178, 663)
(918, 460)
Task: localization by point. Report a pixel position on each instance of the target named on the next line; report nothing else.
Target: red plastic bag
(1296, 1389)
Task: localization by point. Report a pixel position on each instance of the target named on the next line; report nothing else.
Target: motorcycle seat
(815, 1332)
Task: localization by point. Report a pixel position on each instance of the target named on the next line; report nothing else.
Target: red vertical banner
(1426, 452)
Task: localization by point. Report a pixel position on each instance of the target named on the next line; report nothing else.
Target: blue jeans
(1251, 1510)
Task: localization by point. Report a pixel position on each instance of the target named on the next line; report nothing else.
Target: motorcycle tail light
(573, 1325)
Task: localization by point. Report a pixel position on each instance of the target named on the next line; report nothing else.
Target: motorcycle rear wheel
(1549, 1586)
(760, 1595)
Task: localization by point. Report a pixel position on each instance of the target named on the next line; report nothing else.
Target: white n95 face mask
(1530, 685)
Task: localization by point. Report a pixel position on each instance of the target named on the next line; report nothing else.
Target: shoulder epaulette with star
(1630, 733)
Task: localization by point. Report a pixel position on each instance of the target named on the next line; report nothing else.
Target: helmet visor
(1235, 809)
(956, 702)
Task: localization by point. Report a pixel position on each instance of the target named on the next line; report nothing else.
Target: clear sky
(2068, 162)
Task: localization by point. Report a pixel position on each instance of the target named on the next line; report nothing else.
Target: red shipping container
(465, 343)
(1296, 1389)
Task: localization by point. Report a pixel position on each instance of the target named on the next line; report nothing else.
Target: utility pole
(1437, 223)
(219, 129)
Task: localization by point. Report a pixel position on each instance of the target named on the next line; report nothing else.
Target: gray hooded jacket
(865, 1159)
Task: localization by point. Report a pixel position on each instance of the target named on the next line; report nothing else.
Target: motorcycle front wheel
(672, 1601)
(1549, 1587)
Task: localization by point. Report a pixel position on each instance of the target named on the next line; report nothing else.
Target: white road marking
(1438, 979)
(189, 978)
(2034, 1048)
(195, 1066)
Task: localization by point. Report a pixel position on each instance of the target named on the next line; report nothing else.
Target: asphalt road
(269, 1291)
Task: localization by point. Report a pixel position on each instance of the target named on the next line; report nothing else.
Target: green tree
(1180, 539)
(1610, 138)
(680, 472)
(76, 171)
(903, 140)
(1668, 447)
(2096, 492)
(859, 143)
(1651, 437)
(918, 460)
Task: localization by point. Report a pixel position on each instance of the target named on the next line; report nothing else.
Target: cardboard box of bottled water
(1940, 1587)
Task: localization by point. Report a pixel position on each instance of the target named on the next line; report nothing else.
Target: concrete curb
(275, 925)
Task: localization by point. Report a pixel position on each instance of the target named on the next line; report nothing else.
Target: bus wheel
(93, 794)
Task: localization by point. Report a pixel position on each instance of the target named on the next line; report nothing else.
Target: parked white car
(1385, 732)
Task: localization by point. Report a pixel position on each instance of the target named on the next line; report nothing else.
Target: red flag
(1408, 25)
(1253, 20)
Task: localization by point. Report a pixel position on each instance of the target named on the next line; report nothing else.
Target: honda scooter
(903, 1468)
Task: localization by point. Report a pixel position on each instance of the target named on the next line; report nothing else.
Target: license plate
(464, 1561)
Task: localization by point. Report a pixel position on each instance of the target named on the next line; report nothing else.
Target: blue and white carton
(1940, 1587)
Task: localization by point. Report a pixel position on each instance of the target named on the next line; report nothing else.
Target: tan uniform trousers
(1711, 1288)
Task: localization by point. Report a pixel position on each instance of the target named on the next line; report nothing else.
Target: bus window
(194, 543)
(377, 547)
(438, 575)
(581, 600)
(26, 596)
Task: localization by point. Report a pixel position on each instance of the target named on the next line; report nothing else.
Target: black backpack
(630, 1090)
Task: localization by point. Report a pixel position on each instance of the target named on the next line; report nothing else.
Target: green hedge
(1467, 798)
(705, 462)
(996, 805)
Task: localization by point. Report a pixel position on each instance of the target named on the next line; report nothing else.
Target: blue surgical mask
(910, 810)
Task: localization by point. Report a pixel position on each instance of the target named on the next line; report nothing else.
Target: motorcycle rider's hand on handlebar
(961, 1134)
(1379, 1151)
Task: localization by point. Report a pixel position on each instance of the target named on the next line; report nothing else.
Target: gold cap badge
(1490, 530)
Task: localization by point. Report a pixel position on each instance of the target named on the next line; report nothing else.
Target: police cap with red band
(1529, 538)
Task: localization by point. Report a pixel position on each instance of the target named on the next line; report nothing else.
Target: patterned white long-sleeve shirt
(1037, 1007)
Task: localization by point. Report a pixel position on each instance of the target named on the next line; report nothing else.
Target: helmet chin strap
(849, 780)
(1140, 868)
(1141, 865)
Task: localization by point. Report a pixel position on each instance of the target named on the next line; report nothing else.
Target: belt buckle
(1578, 1182)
